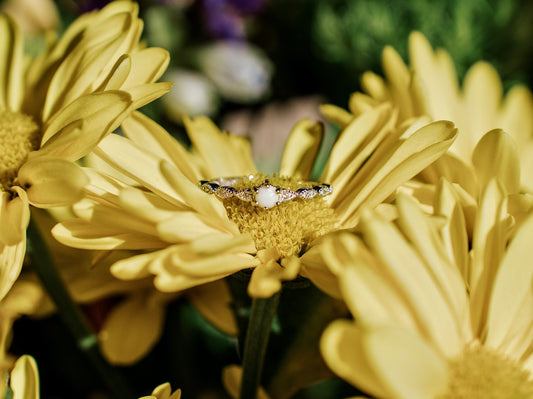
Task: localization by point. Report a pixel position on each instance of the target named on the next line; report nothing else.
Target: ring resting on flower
(265, 194)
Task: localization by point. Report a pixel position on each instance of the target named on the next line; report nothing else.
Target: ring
(265, 195)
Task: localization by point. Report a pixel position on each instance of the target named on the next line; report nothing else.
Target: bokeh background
(256, 67)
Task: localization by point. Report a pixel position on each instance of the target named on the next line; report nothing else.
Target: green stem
(259, 326)
(71, 314)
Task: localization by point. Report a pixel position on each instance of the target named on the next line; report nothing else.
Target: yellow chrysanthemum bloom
(197, 238)
(164, 391)
(54, 109)
(427, 325)
(429, 86)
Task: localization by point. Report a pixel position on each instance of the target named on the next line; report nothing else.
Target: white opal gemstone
(266, 196)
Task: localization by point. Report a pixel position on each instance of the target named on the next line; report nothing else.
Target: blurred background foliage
(256, 67)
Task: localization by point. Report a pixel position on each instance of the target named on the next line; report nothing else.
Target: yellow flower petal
(396, 71)
(512, 289)
(483, 95)
(147, 134)
(419, 231)
(11, 258)
(401, 264)
(52, 182)
(336, 114)
(223, 154)
(515, 115)
(301, 149)
(131, 329)
(99, 113)
(496, 157)
(488, 248)
(14, 216)
(82, 70)
(147, 66)
(267, 277)
(454, 232)
(11, 68)
(392, 165)
(25, 378)
(408, 367)
(355, 143)
(185, 227)
(79, 233)
(143, 94)
(141, 166)
(341, 347)
(231, 379)
(214, 302)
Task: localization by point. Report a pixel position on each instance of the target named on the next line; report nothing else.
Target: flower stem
(71, 314)
(259, 326)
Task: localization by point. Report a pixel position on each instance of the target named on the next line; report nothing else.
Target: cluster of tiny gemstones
(223, 188)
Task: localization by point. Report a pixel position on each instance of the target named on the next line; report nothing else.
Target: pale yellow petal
(336, 114)
(496, 157)
(482, 90)
(147, 134)
(81, 234)
(94, 116)
(488, 248)
(25, 378)
(224, 155)
(141, 166)
(185, 260)
(401, 264)
(374, 85)
(391, 165)
(301, 149)
(516, 115)
(214, 302)
(422, 234)
(454, 232)
(267, 277)
(11, 64)
(147, 66)
(131, 329)
(87, 63)
(406, 365)
(512, 285)
(194, 197)
(52, 182)
(14, 216)
(185, 227)
(342, 348)
(232, 378)
(398, 75)
(355, 143)
(143, 94)
(11, 259)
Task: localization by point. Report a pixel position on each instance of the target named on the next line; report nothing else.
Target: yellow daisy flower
(54, 109)
(429, 86)
(426, 324)
(198, 237)
(164, 391)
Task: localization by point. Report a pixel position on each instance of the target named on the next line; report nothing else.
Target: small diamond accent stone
(225, 192)
(306, 193)
(246, 194)
(286, 194)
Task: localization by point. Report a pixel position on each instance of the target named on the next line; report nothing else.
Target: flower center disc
(480, 373)
(19, 135)
(289, 226)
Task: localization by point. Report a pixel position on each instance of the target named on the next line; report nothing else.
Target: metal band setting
(265, 195)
